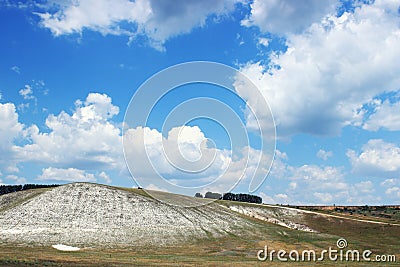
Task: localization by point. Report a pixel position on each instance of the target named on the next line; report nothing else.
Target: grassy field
(232, 250)
(387, 214)
(228, 251)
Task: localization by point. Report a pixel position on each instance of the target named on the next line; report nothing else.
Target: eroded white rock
(65, 247)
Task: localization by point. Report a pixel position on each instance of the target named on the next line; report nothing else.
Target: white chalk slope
(84, 214)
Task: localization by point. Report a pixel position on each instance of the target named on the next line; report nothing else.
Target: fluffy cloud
(326, 75)
(286, 16)
(142, 144)
(276, 198)
(158, 20)
(27, 92)
(390, 182)
(72, 144)
(68, 175)
(16, 179)
(392, 188)
(387, 115)
(322, 154)
(307, 183)
(105, 177)
(377, 158)
(183, 153)
(393, 191)
(312, 184)
(10, 130)
(87, 139)
(318, 178)
(364, 187)
(264, 41)
(102, 16)
(185, 158)
(323, 197)
(281, 198)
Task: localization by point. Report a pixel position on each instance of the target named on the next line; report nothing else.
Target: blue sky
(328, 69)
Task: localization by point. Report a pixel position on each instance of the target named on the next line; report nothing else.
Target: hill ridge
(93, 214)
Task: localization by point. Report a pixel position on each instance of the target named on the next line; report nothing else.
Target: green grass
(233, 250)
(364, 215)
(134, 190)
(378, 237)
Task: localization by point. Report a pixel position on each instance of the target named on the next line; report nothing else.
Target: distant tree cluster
(232, 197)
(6, 189)
(209, 195)
(213, 195)
(242, 198)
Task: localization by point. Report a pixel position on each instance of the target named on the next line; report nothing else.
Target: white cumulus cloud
(386, 115)
(182, 153)
(377, 158)
(364, 187)
(393, 191)
(315, 177)
(184, 157)
(326, 75)
(10, 130)
(70, 148)
(323, 197)
(286, 16)
(158, 20)
(105, 177)
(16, 179)
(86, 139)
(313, 184)
(69, 175)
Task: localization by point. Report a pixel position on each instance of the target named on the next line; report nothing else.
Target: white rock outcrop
(281, 216)
(62, 247)
(84, 214)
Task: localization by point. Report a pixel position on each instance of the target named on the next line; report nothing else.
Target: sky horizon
(328, 70)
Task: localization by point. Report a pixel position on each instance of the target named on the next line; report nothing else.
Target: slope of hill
(114, 226)
(96, 215)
